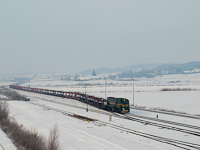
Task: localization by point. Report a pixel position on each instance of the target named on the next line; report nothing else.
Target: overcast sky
(74, 35)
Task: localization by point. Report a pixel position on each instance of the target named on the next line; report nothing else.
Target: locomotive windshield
(124, 101)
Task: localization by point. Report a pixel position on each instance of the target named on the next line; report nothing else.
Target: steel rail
(168, 113)
(177, 143)
(153, 137)
(148, 122)
(144, 121)
(159, 125)
(166, 121)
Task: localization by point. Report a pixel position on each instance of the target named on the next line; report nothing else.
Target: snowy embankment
(75, 133)
(78, 134)
(3, 97)
(5, 142)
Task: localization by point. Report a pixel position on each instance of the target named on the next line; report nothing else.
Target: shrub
(4, 111)
(26, 139)
(53, 143)
(11, 94)
(176, 89)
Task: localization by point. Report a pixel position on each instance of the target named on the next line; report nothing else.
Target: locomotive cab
(120, 105)
(124, 105)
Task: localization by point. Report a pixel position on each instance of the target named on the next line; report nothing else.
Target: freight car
(120, 105)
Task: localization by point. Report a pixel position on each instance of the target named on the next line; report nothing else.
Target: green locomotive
(120, 105)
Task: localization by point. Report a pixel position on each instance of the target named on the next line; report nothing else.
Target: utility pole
(133, 91)
(105, 88)
(85, 87)
(86, 97)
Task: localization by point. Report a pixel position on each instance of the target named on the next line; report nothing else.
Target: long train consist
(120, 105)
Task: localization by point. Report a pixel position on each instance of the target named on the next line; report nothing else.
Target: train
(113, 104)
(120, 105)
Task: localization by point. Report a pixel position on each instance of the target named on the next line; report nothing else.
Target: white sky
(74, 35)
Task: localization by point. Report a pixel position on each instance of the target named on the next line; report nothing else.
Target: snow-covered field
(3, 97)
(147, 91)
(78, 134)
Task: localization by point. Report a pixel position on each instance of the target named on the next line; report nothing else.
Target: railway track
(165, 121)
(146, 120)
(196, 133)
(64, 112)
(168, 113)
(177, 143)
(173, 142)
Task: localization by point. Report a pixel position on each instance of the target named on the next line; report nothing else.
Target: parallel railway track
(173, 142)
(147, 120)
(168, 113)
(196, 133)
(166, 121)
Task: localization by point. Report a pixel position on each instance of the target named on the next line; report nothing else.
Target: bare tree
(53, 142)
(4, 111)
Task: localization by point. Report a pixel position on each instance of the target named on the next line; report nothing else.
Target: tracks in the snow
(185, 128)
(167, 113)
(177, 143)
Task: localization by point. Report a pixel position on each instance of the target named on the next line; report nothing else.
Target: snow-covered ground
(147, 91)
(5, 142)
(6, 83)
(77, 134)
(3, 97)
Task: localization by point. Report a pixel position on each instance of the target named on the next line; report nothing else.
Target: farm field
(147, 91)
(80, 134)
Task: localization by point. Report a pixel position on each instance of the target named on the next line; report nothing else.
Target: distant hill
(165, 69)
(147, 70)
(119, 69)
